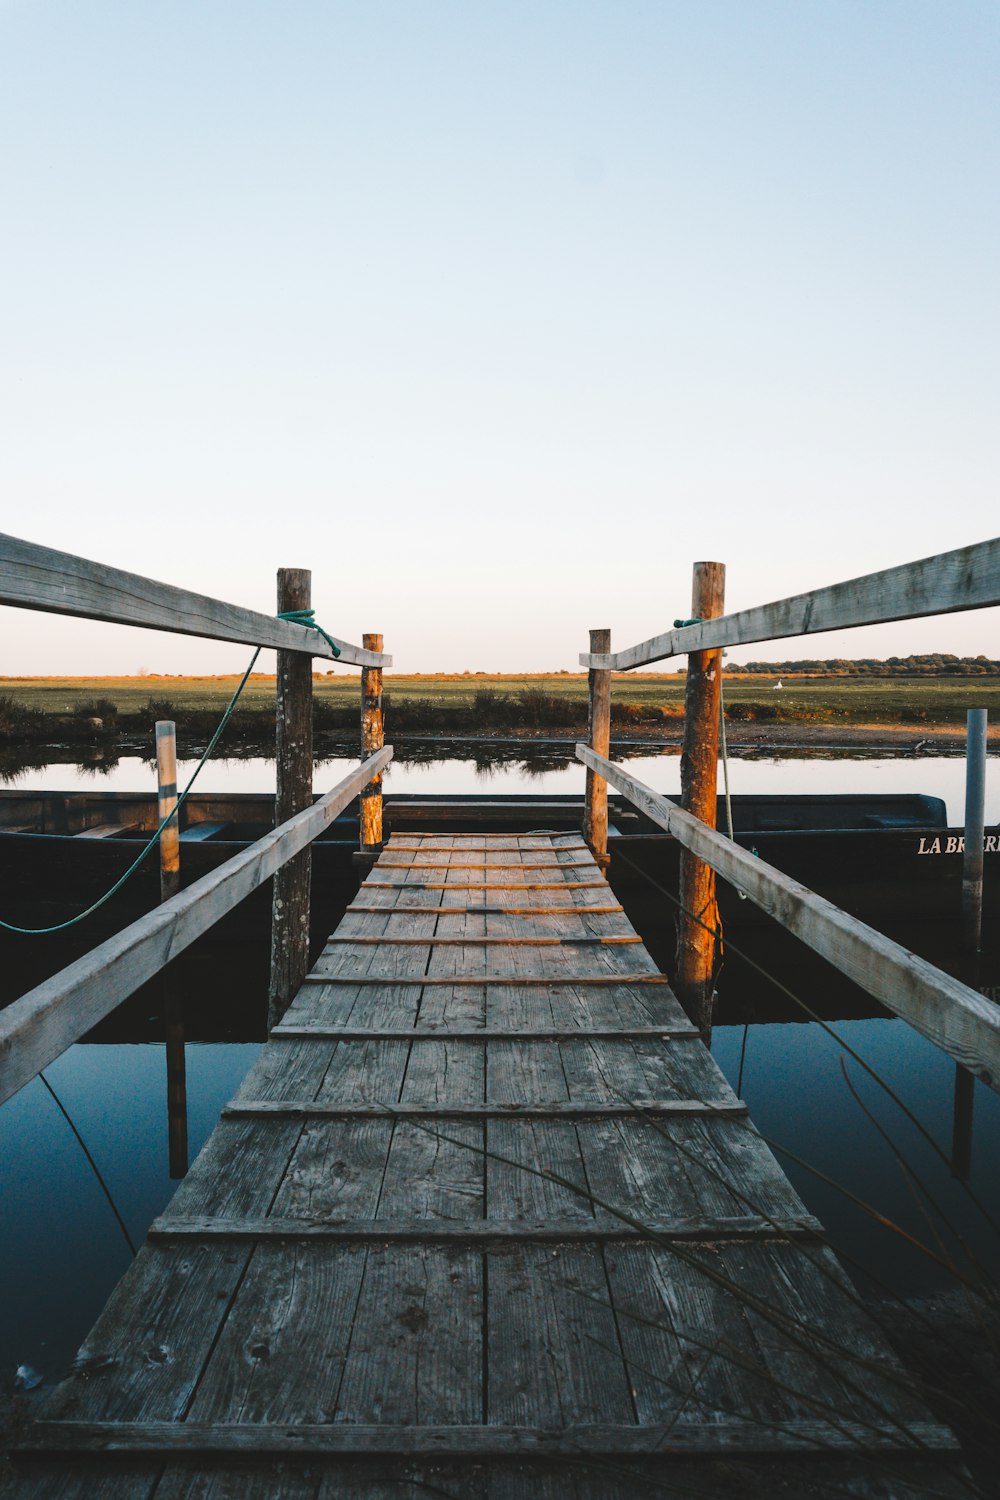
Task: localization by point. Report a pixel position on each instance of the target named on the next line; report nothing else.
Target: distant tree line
(934, 664)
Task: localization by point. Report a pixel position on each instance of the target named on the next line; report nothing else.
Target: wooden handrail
(38, 1027)
(968, 578)
(35, 577)
(956, 1018)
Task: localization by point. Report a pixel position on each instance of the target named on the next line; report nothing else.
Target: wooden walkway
(484, 1220)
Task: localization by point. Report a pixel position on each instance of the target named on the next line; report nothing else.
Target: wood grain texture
(481, 1222)
(293, 723)
(698, 916)
(35, 577)
(595, 802)
(968, 578)
(372, 740)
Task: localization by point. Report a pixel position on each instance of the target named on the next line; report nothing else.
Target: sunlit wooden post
(294, 793)
(166, 802)
(170, 884)
(698, 919)
(372, 739)
(595, 812)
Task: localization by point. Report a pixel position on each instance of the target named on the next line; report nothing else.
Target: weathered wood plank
(35, 577)
(302, 1109)
(432, 1229)
(968, 578)
(40, 1025)
(956, 1018)
(555, 1356)
(491, 979)
(489, 885)
(447, 1031)
(145, 1355)
(260, 1370)
(416, 1353)
(559, 1439)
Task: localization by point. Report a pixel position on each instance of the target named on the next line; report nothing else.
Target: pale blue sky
(497, 315)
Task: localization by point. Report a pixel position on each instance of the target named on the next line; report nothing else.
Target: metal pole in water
(972, 860)
(972, 922)
(170, 881)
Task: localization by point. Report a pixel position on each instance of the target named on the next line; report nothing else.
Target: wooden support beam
(372, 740)
(961, 1022)
(34, 577)
(565, 1109)
(40, 1025)
(459, 864)
(484, 1231)
(595, 812)
(575, 1442)
(386, 940)
(318, 1032)
(290, 902)
(489, 885)
(508, 981)
(698, 918)
(487, 911)
(968, 578)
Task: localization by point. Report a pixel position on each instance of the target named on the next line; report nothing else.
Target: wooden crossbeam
(564, 1109)
(487, 911)
(37, 577)
(391, 981)
(388, 941)
(488, 1034)
(484, 1231)
(968, 578)
(474, 864)
(667, 1441)
(489, 885)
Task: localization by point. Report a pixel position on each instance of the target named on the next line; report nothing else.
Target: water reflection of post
(173, 1016)
(972, 922)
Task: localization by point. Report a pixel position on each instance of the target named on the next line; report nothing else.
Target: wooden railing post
(294, 755)
(595, 812)
(166, 801)
(372, 739)
(698, 918)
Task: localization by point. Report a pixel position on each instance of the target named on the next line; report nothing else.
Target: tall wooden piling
(294, 754)
(166, 802)
(595, 812)
(372, 739)
(697, 922)
(173, 1011)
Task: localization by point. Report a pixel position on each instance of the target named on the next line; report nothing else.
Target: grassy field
(653, 696)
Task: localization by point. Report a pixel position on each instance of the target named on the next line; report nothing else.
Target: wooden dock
(484, 1220)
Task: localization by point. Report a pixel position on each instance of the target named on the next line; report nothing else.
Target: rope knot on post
(307, 617)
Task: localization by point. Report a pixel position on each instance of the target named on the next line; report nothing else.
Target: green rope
(72, 921)
(305, 617)
(683, 624)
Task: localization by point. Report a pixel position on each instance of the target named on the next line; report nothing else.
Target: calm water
(937, 775)
(61, 1249)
